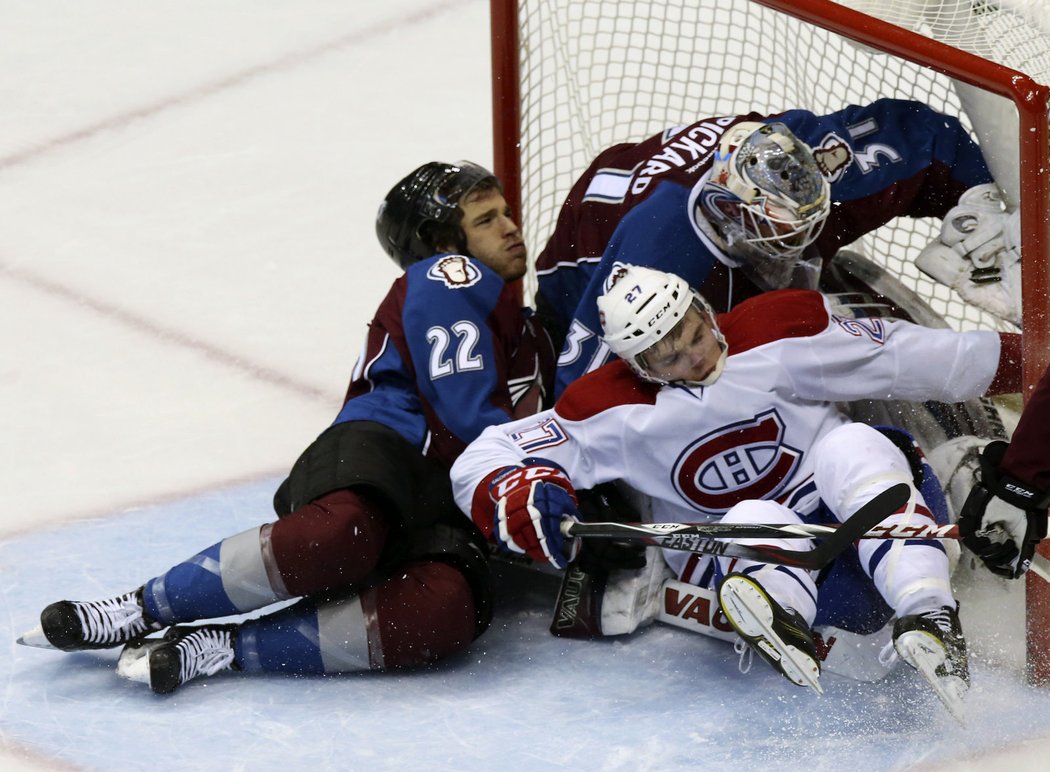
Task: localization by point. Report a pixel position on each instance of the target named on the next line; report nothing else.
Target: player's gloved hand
(978, 253)
(1003, 519)
(531, 502)
(606, 503)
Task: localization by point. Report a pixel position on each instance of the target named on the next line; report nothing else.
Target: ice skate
(134, 659)
(72, 625)
(780, 636)
(933, 644)
(183, 654)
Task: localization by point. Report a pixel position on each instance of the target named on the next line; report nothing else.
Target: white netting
(596, 72)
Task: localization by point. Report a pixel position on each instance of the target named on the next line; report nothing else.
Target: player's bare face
(493, 237)
(689, 352)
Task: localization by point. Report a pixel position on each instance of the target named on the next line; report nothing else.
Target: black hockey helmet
(423, 201)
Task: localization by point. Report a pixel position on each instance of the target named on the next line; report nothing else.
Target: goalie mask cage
(571, 77)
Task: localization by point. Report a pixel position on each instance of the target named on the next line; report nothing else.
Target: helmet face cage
(427, 197)
(774, 198)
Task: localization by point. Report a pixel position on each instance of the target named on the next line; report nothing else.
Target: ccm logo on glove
(531, 502)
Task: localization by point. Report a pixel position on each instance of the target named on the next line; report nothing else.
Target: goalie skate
(780, 636)
(933, 644)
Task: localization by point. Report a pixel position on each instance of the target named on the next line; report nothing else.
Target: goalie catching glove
(979, 253)
(531, 502)
(1003, 519)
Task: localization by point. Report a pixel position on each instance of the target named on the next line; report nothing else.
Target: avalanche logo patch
(833, 156)
(456, 271)
(617, 272)
(745, 460)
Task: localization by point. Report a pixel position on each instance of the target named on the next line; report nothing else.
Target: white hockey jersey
(698, 451)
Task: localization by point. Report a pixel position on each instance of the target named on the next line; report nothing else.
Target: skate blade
(134, 660)
(36, 639)
(925, 655)
(750, 614)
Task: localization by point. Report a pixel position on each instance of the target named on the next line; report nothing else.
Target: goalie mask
(422, 210)
(661, 327)
(765, 197)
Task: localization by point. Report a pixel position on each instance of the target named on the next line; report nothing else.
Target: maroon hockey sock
(333, 541)
(424, 613)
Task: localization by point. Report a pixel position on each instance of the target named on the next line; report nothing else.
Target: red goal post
(571, 77)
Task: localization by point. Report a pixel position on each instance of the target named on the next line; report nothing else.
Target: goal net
(572, 77)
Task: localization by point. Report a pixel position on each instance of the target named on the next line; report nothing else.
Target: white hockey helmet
(640, 306)
(765, 196)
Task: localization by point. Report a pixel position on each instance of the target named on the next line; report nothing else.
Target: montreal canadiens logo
(745, 460)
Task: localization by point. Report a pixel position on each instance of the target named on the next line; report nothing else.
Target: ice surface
(187, 263)
(520, 698)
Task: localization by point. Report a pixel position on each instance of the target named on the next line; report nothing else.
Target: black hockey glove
(1003, 519)
(602, 503)
(610, 555)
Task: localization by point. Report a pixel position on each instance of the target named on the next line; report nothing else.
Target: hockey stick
(771, 530)
(704, 537)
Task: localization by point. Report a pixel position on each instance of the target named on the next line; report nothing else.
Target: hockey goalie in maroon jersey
(738, 205)
(734, 418)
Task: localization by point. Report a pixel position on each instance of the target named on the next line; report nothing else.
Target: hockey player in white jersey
(734, 419)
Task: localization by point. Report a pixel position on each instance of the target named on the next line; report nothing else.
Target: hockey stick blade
(704, 537)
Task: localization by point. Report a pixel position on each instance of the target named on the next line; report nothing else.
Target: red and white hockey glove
(531, 502)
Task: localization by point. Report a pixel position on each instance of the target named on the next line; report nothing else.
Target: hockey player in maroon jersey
(389, 572)
(735, 419)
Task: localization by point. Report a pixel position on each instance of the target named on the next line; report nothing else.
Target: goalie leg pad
(845, 653)
(632, 597)
(956, 463)
(601, 603)
(611, 588)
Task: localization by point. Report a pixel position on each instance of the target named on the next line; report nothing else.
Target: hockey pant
(326, 550)
(865, 586)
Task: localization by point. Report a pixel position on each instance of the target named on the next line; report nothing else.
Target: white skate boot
(184, 653)
(933, 644)
(780, 636)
